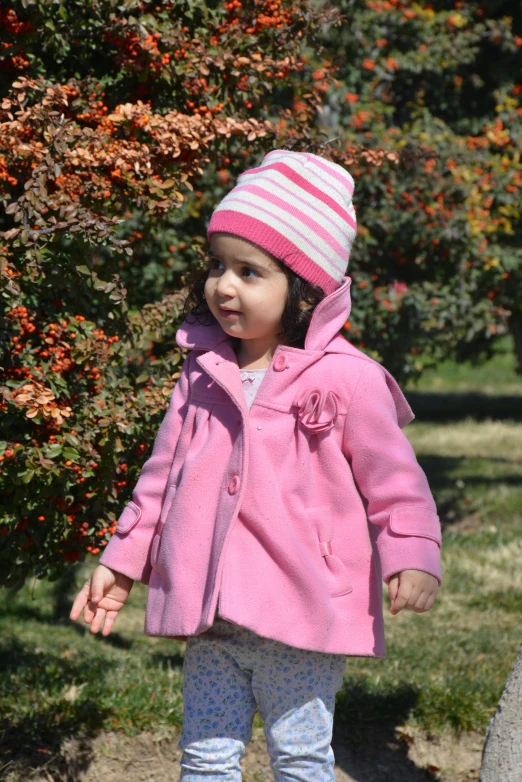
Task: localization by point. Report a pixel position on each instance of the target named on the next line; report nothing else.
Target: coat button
(233, 486)
(280, 362)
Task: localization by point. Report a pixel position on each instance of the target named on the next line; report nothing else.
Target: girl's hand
(101, 598)
(414, 589)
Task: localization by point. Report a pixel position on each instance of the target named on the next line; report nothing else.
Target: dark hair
(294, 320)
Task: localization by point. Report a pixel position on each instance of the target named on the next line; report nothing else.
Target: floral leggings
(229, 670)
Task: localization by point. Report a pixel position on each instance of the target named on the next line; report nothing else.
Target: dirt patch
(407, 755)
(373, 756)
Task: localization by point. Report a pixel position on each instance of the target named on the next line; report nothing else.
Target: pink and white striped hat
(298, 207)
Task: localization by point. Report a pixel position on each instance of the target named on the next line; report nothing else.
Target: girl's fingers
(109, 622)
(98, 587)
(98, 620)
(430, 601)
(403, 596)
(89, 612)
(425, 602)
(420, 604)
(80, 601)
(415, 594)
(393, 585)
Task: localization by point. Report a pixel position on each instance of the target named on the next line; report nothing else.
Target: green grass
(58, 678)
(496, 376)
(445, 669)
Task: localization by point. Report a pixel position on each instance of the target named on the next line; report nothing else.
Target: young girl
(280, 492)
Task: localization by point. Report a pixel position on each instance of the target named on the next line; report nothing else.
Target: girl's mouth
(229, 314)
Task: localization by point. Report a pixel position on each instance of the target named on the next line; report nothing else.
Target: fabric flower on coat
(318, 409)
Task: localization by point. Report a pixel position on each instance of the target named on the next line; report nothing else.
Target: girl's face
(246, 279)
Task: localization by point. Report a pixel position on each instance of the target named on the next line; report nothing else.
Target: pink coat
(293, 512)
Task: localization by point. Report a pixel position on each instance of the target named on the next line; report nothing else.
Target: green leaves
(71, 453)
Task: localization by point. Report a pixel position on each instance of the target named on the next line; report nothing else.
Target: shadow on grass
(365, 743)
(452, 495)
(167, 661)
(57, 610)
(34, 739)
(430, 406)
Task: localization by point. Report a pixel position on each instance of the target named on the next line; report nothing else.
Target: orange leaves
(355, 153)
(127, 154)
(386, 5)
(38, 400)
(351, 97)
(360, 118)
(391, 63)
(476, 142)
(272, 14)
(175, 132)
(457, 20)
(497, 133)
(380, 294)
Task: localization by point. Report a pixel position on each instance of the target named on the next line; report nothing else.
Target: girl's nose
(225, 284)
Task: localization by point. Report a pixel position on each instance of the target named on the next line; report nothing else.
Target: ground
(406, 756)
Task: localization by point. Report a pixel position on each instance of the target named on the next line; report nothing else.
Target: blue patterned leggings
(229, 670)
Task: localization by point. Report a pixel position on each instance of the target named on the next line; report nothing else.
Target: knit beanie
(298, 207)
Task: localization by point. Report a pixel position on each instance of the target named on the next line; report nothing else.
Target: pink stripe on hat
(291, 230)
(286, 231)
(333, 169)
(308, 221)
(307, 187)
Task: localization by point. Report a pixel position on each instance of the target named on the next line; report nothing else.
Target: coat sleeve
(128, 551)
(399, 503)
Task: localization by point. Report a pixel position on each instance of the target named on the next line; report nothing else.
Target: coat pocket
(156, 540)
(336, 571)
(416, 520)
(129, 518)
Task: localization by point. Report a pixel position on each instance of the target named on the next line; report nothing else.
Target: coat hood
(328, 318)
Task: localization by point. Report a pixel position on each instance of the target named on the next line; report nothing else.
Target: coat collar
(323, 336)
(327, 320)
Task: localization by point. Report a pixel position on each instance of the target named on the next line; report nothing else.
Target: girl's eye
(214, 262)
